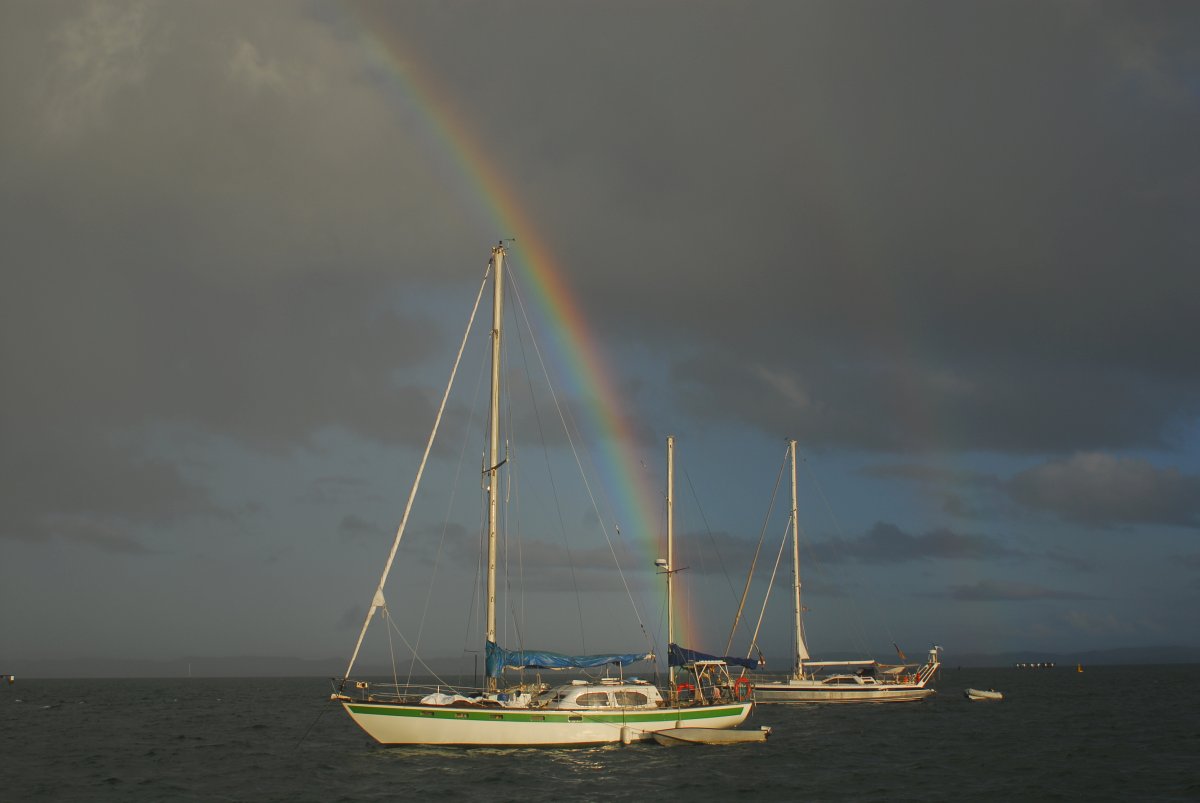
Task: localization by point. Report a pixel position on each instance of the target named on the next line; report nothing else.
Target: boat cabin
(607, 693)
(850, 680)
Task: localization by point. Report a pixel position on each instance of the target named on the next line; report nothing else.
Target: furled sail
(682, 656)
(499, 659)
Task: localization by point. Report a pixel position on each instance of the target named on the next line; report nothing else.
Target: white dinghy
(674, 737)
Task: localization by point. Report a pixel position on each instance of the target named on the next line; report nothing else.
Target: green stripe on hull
(558, 717)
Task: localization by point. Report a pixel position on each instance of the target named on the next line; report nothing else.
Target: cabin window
(498, 716)
(460, 715)
(595, 699)
(575, 718)
(630, 699)
(537, 718)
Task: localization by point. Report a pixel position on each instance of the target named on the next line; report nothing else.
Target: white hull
(674, 737)
(815, 692)
(979, 694)
(399, 724)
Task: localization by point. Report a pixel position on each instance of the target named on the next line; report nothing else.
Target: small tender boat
(980, 694)
(672, 737)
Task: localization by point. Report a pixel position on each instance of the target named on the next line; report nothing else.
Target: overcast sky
(949, 247)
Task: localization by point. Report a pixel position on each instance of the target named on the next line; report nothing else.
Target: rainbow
(637, 502)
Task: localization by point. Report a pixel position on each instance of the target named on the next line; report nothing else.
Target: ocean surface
(1108, 733)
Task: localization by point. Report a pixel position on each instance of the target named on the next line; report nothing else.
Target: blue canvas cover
(681, 656)
(498, 659)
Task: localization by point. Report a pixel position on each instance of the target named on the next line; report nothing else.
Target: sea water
(1108, 733)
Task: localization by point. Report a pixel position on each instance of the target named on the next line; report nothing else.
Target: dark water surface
(1109, 733)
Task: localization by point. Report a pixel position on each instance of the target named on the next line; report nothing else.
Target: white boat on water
(981, 694)
(865, 681)
(677, 737)
(594, 710)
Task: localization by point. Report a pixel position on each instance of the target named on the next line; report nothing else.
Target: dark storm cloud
(927, 244)
(84, 529)
(999, 591)
(1093, 488)
(886, 543)
(964, 493)
(933, 475)
(353, 528)
(720, 553)
(201, 222)
(549, 567)
(231, 231)
(1105, 490)
(869, 249)
(336, 490)
(62, 481)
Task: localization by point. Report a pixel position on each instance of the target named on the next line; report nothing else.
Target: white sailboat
(841, 681)
(578, 712)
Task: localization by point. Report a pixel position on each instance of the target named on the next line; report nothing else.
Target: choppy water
(1119, 733)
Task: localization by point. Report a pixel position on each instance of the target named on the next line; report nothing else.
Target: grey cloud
(928, 227)
(1106, 490)
(205, 221)
(968, 303)
(196, 234)
(719, 553)
(1000, 591)
(1092, 488)
(67, 483)
(928, 474)
(354, 527)
(332, 490)
(88, 531)
(963, 492)
(1071, 559)
(886, 543)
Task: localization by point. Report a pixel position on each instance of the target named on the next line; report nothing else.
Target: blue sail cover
(499, 659)
(681, 656)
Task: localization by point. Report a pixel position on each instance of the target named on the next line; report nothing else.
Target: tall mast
(670, 552)
(493, 490)
(801, 648)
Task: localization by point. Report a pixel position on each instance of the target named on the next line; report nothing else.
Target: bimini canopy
(682, 656)
(499, 659)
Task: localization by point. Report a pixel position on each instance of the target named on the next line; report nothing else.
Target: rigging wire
(393, 628)
(709, 532)
(462, 453)
(511, 481)
(762, 534)
(537, 413)
(860, 632)
(387, 616)
(575, 452)
(378, 599)
(767, 596)
(478, 592)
